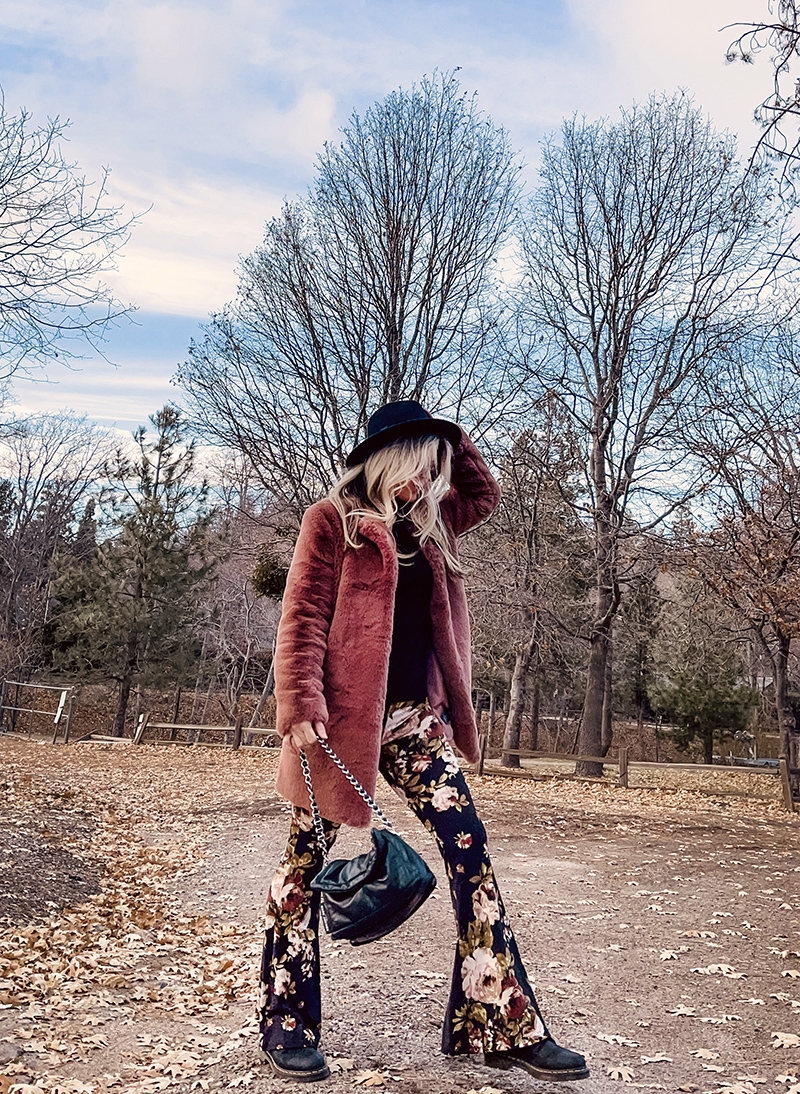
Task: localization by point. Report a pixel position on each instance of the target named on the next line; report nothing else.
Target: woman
(373, 654)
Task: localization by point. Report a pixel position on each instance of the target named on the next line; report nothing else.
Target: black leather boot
(545, 1060)
(302, 1065)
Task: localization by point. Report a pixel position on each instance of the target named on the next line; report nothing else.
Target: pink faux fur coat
(335, 635)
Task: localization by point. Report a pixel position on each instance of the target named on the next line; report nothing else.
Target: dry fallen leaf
(135, 949)
(369, 1078)
(341, 1063)
(660, 1058)
(721, 970)
(615, 1039)
(785, 1040)
(704, 1053)
(624, 1073)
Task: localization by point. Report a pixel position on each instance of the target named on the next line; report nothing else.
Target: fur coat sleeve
(474, 494)
(308, 605)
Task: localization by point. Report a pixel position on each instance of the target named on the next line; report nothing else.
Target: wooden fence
(232, 734)
(233, 738)
(620, 762)
(784, 772)
(66, 706)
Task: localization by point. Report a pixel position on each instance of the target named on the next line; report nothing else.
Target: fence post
(70, 713)
(482, 743)
(786, 784)
(237, 730)
(142, 726)
(623, 766)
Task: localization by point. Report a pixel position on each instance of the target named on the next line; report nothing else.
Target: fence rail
(784, 772)
(235, 732)
(620, 762)
(237, 729)
(57, 715)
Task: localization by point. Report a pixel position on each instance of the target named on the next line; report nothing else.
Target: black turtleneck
(412, 638)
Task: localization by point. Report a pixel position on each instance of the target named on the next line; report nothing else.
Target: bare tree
(642, 246)
(779, 112)
(49, 466)
(381, 285)
(750, 559)
(526, 602)
(58, 236)
(241, 624)
(749, 554)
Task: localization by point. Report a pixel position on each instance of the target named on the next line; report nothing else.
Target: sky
(209, 115)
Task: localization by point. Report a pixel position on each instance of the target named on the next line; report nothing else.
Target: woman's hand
(304, 734)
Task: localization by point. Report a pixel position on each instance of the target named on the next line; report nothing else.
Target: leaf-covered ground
(659, 926)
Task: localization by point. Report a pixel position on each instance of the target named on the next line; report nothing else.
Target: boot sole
(546, 1074)
(295, 1076)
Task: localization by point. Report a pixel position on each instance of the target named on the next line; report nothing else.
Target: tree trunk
(607, 730)
(177, 708)
(708, 746)
(516, 706)
(535, 705)
(514, 713)
(200, 666)
(122, 707)
(131, 664)
(787, 723)
(137, 710)
(266, 691)
(590, 736)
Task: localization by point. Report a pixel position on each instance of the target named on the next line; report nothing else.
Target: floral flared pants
(492, 1006)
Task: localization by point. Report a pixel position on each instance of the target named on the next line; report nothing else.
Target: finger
(320, 730)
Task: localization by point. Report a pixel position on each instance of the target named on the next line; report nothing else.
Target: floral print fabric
(289, 1005)
(491, 1007)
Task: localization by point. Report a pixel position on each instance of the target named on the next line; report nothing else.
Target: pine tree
(698, 678)
(128, 613)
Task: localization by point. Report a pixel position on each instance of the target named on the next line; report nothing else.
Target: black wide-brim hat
(405, 418)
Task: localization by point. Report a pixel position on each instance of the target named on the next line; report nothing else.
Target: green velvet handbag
(364, 898)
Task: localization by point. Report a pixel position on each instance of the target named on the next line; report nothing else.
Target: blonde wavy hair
(370, 489)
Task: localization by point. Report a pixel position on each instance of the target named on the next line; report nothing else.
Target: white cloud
(183, 252)
(298, 133)
(647, 45)
(212, 111)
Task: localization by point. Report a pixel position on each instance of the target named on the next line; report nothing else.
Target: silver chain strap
(315, 813)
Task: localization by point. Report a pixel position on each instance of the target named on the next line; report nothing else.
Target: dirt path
(659, 927)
